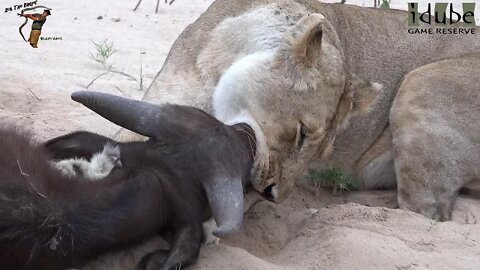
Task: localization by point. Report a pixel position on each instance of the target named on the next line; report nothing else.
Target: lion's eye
(302, 134)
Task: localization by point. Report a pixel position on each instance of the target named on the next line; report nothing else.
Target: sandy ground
(311, 230)
(36, 84)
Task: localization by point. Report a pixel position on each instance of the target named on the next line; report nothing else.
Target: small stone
(116, 19)
(98, 18)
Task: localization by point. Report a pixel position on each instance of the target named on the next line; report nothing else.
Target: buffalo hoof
(153, 260)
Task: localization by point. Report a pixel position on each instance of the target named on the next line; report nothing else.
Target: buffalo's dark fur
(48, 221)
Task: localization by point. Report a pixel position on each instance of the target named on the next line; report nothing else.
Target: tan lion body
(316, 89)
(436, 134)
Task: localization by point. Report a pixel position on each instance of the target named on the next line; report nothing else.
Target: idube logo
(444, 19)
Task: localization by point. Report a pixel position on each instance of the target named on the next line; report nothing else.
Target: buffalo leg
(153, 260)
(183, 251)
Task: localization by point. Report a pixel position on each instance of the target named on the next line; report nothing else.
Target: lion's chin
(270, 193)
(266, 187)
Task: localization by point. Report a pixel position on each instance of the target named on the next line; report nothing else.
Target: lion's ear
(359, 97)
(302, 42)
(365, 96)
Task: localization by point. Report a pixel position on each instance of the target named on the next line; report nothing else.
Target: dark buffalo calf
(168, 184)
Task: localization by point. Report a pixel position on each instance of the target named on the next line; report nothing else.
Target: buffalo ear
(80, 144)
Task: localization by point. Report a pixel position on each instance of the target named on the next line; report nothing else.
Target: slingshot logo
(445, 19)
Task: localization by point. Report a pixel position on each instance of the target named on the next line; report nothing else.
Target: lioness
(315, 81)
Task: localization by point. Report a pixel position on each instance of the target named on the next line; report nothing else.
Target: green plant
(104, 50)
(384, 4)
(332, 177)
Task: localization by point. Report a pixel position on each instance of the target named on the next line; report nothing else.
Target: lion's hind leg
(426, 184)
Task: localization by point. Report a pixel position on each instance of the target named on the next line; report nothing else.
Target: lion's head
(295, 97)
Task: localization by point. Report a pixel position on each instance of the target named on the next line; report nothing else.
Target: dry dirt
(311, 230)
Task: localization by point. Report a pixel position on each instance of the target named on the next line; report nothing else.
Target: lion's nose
(268, 193)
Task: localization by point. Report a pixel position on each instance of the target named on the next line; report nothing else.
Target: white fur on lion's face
(282, 93)
(232, 103)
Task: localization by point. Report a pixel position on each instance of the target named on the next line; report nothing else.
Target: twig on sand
(122, 91)
(156, 8)
(96, 78)
(138, 4)
(26, 116)
(124, 74)
(107, 72)
(33, 93)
